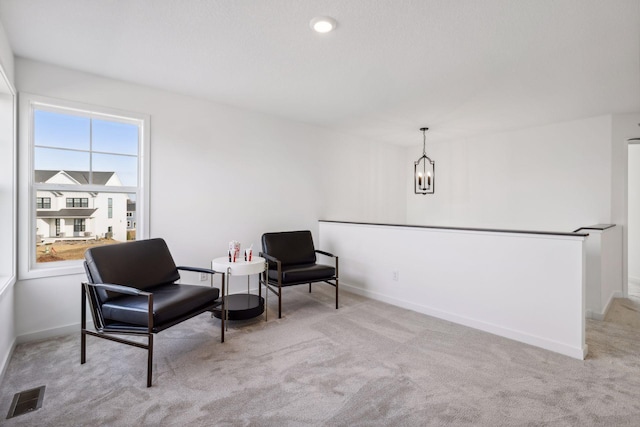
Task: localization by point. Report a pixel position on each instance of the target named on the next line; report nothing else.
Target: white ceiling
(463, 67)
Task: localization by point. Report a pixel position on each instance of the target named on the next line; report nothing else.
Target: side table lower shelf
(241, 306)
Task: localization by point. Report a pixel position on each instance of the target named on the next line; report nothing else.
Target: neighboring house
(69, 215)
(131, 220)
(131, 215)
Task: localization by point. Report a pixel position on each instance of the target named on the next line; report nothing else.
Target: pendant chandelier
(424, 170)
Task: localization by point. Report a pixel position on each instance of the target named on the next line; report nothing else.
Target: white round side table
(240, 306)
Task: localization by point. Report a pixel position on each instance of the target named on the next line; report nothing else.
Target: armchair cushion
(290, 247)
(170, 303)
(141, 264)
(296, 274)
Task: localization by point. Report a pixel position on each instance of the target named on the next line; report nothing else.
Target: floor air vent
(26, 401)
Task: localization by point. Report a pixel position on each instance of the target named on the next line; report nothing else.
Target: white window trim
(27, 266)
(8, 278)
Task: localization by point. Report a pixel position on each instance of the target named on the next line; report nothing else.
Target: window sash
(27, 188)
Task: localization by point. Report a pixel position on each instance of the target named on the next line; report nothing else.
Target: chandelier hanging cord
(424, 140)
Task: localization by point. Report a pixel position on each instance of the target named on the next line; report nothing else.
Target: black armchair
(132, 290)
(292, 261)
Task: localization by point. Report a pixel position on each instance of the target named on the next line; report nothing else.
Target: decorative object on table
(424, 170)
(248, 253)
(234, 250)
(292, 261)
(132, 289)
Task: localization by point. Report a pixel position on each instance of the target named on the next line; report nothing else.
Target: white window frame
(28, 268)
(9, 179)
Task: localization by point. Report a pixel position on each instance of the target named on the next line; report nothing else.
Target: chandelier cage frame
(424, 170)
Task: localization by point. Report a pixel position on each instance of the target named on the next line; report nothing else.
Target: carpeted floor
(367, 363)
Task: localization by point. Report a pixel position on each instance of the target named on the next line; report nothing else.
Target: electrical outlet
(396, 275)
(203, 277)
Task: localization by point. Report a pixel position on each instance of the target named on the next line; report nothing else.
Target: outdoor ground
(67, 250)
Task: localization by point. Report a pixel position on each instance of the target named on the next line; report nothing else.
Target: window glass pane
(79, 220)
(61, 130)
(115, 137)
(49, 162)
(124, 167)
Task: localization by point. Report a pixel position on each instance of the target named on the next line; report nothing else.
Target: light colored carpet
(365, 364)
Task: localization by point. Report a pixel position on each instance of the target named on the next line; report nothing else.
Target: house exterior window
(85, 165)
(77, 202)
(78, 225)
(43, 202)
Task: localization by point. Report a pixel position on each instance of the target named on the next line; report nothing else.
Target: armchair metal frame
(276, 286)
(106, 331)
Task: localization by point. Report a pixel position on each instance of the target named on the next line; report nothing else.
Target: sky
(70, 142)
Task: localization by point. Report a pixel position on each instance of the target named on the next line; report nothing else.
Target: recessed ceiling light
(323, 24)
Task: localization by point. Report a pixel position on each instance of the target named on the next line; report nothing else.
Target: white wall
(527, 287)
(604, 270)
(6, 55)
(556, 177)
(625, 126)
(217, 173)
(634, 213)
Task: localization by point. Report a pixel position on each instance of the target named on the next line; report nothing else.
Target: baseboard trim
(7, 359)
(600, 316)
(51, 333)
(557, 347)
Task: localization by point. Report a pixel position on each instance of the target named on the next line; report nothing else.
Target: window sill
(62, 268)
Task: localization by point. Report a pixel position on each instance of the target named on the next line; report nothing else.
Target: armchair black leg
(279, 302)
(83, 348)
(309, 287)
(336, 293)
(222, 321)
(150, 360)
(83, 326)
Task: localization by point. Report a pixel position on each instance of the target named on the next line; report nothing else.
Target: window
(43, 202)
(78, 225)
(78, 202)
(85, 165)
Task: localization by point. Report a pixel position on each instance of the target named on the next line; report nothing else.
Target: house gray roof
(67, 213)
(99, 178)
(131, 206)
